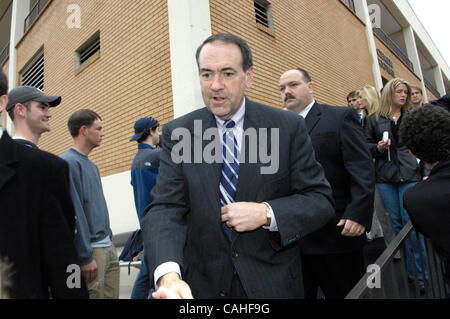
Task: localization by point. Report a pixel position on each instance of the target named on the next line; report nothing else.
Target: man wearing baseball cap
(144, 171)
(29, 109)
(37, 222)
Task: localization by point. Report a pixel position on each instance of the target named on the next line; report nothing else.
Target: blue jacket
(144, 171)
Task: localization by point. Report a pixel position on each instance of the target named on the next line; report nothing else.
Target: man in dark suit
(212, 234)
(37, 222)
(332, 257)
(426, 133)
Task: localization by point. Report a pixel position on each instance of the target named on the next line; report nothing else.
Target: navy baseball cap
(141, 125)
(23, 94)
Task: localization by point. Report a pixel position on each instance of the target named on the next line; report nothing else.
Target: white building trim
(189, 25)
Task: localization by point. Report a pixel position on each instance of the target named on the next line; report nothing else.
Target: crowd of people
(224, 228)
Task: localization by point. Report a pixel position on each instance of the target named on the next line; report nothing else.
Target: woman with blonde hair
(368, 101)
(395, 168)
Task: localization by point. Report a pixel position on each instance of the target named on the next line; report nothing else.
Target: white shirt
(306, 110)
(1, 132)
(238, 129)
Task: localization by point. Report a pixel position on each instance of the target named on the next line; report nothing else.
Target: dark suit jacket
(36, 222)
(428, 205)
(183, 224)
(340, 147)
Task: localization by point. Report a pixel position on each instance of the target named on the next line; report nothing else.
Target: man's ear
(3, 102)
(19, 110)
(83, 130)
(249, 78)
(311, 87)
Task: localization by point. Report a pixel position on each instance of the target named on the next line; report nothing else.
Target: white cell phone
(385, 136)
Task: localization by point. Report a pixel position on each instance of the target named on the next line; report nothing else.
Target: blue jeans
(141, 288)
(392, 197)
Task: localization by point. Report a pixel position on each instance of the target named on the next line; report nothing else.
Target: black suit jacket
(36, 223)
(183, 224)
(340, 147)
(428, 205)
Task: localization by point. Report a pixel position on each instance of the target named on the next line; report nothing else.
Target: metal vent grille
(33, 74)
(261, 13)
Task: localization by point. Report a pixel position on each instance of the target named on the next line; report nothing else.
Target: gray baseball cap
(23, 94)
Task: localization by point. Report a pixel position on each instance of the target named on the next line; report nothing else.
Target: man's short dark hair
(3, 83)
(351, 94)
(426, 132)
(305, 74)
(80, 118)
(146, 134)
(247, 58)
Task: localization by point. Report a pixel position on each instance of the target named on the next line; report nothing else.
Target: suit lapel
(250, 173)
(8, 156)
(313, 117)
(211, 171)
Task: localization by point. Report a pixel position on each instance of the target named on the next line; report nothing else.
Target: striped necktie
(230, 168)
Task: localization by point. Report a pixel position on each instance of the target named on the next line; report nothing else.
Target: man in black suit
(426, 133)
(332, 257)
(29, 109)
(205, 238)
(37, 222)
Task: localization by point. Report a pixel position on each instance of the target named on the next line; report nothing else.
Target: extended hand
(244, 216)
(170, 286)
(351, 228)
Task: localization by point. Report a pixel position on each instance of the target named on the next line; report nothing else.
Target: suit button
(235, 254)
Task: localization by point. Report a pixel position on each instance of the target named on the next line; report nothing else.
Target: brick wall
(321, 36)
(130, 79)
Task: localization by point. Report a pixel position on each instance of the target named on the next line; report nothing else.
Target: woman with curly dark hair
(426, 133)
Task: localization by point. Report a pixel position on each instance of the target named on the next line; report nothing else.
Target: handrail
(394, 47)
(34, 13)
(434, 284)
(4, 53)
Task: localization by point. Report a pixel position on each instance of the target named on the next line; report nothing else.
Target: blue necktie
(230, 168)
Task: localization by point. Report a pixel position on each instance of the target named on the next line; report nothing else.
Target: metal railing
(394, 47)
(350, 4)
(4, 53)
(34, 13)
(394, 282)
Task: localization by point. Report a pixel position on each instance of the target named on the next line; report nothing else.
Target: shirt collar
(306, 110)
(145, 145)
(238, 118)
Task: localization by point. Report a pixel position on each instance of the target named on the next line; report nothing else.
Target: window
(87, 50)
(263, 13)
(33, 74)
(350, 4)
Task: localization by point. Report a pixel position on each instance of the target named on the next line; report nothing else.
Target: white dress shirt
(306, 110)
